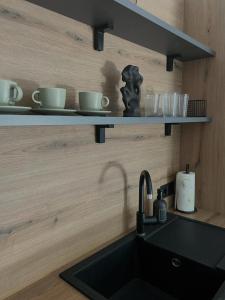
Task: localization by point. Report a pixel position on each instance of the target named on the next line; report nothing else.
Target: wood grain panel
(204, 147)
(62, 195)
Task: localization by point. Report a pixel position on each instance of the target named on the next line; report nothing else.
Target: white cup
(54, 98)
(10, 93)
(92, 101)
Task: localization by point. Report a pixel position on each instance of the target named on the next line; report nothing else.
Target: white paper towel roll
(185, 192)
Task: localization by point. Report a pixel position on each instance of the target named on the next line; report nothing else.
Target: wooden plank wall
(204, 146)
(62, 195)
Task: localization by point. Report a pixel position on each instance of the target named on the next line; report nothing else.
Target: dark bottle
(160, 208)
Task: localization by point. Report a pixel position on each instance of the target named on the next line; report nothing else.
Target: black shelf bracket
(170, 62)
(168, 128)
(99, 32)
(100, 133)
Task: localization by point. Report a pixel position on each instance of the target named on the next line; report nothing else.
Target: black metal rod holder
(170, 62)
(99, 32)
(100, 133)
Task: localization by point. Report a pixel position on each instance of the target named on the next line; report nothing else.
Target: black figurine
(131, 91)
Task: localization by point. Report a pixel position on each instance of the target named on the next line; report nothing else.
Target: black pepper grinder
(160, 208)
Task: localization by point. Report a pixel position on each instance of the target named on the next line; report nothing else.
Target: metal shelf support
(170, 62)
(168, 128)
(99, 33)
(100, 133)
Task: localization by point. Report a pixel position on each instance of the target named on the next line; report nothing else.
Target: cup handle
(33, 97)
(18, 94)
(105, 101)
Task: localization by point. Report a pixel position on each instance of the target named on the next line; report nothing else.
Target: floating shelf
(101, 123)
(128, 21)
(40, 120)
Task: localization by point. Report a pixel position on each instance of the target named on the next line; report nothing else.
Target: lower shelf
(40, 120)
(100, 123)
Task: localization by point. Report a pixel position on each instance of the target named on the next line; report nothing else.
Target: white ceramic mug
(50, 97)
(10, 92)
(92, 101)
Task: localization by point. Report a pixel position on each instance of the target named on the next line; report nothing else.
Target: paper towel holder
(187, 171)
(185, 201)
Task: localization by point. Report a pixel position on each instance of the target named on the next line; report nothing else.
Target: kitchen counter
(54, 288)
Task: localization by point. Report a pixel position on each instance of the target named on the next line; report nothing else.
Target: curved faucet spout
(145, 176)
(141, 218)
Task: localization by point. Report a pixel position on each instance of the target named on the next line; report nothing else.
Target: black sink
(135, 269)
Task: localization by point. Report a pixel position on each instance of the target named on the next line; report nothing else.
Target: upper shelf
(38, 120)
(132, 23)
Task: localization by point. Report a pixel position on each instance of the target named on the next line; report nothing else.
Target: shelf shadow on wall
(28, 88)
(110, 87)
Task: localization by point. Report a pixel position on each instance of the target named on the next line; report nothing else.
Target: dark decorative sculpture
(131, 91)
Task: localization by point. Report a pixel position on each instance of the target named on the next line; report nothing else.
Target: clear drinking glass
(174, 104)
(165, 101)
(152, 105)
(183, 105)
(169, 102)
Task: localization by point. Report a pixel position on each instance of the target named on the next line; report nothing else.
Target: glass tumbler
(170, 104)
(165, 102)
(151, 105)
(183, 105)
